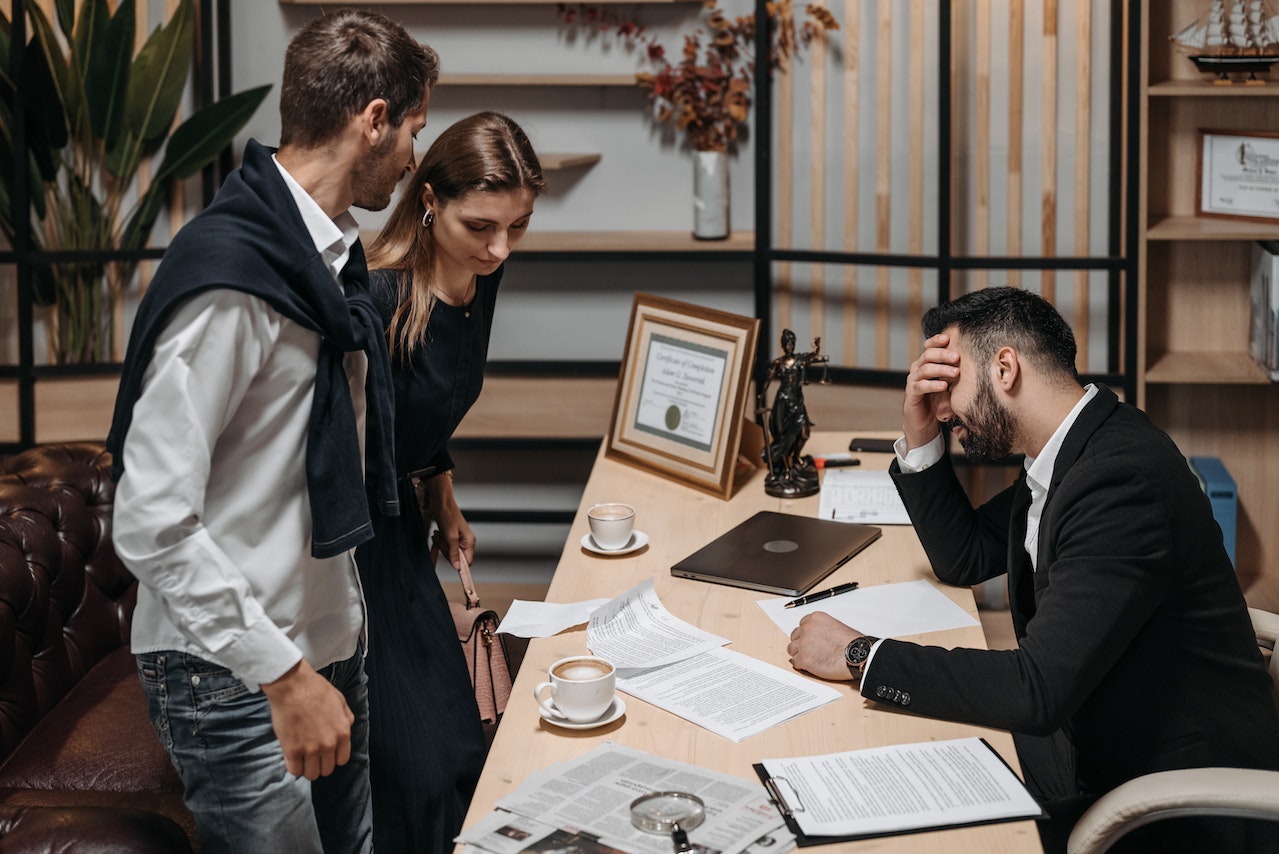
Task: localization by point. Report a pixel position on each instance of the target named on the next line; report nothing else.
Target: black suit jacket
(1133, 635)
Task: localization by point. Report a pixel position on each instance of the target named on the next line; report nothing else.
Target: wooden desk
(679, 520)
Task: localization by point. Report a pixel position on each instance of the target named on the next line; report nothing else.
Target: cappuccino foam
(611, 512)
(581, 670)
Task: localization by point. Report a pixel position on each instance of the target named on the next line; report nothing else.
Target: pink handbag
(483, 649)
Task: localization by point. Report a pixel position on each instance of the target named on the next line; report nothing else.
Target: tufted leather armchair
(81, 768)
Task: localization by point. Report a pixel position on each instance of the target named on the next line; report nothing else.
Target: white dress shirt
(212, 513)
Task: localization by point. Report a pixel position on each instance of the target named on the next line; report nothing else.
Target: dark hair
(336, 64)
(1002, 316)
(487, 152)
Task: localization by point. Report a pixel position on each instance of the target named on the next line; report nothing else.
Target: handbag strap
(468, 583)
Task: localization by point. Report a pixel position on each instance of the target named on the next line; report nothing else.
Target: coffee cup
(611, 524)
(581, 688)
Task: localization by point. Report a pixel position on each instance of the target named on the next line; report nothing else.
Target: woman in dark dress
(436, 267)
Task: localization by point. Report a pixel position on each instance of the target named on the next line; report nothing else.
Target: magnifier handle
(680, 838)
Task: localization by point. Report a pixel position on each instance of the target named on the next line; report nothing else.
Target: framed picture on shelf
(681, 396)
(1238, 175)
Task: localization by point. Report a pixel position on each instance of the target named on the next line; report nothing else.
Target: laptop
(777, 553)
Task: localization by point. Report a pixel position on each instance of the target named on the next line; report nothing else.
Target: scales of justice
(791, 472)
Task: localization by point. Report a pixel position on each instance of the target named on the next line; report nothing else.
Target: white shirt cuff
(918, 459)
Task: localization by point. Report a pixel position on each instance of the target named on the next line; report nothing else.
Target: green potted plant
(94, 114)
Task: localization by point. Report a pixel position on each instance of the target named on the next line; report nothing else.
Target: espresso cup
(581, 688)
(611, 524)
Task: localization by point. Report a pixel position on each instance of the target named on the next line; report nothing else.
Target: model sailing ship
(1241, 36)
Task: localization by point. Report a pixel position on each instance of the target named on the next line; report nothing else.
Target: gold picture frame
(1238, 175)
(681, 395)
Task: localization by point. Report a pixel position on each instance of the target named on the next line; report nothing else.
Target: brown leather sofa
(81, 768)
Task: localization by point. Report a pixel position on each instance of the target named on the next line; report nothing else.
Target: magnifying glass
(671, 812)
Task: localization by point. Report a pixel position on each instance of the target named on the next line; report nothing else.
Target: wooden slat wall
(1024, 78)
(852, 154)
(1083, 169)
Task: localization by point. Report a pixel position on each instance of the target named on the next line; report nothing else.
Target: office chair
(1235, 792)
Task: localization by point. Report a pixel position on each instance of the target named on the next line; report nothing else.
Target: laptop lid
(777, 553)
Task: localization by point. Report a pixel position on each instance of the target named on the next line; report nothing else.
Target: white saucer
(615, 710)
(638, 540)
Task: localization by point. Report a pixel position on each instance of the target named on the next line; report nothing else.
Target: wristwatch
(857, 653)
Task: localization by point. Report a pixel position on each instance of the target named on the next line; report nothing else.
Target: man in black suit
(1134, 648)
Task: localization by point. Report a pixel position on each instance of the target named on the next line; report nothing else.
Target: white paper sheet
(934, 784)
(728, 693)
(868, 497)
(543, 619)
(883, 610)
(636, 631)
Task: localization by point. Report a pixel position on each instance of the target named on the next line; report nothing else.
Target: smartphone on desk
(860, 444)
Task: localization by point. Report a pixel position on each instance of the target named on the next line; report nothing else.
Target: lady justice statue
(791, 473)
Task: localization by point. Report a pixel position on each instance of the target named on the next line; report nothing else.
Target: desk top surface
(679, 520)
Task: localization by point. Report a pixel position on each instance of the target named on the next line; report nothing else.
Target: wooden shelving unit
(554, 162)
(1196, 377)
(526, 80)
(469, 2)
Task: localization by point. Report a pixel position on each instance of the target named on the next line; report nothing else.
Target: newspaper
(584, 805)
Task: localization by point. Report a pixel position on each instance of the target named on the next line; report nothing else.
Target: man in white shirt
(239, 441)
(1135, 651)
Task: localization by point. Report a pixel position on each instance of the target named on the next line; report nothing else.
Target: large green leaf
(107, 72)
(46, 121)
(34, 186)
(199, 139)
(66, 16)
(192, 147)
(56, 62)
(87, 38)
(6, 38)
(138, 228)
(159, 75)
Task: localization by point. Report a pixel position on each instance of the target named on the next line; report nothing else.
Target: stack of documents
(934, 785)
(678, 667)
(584, 805)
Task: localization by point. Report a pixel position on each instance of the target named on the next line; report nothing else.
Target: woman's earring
(428, 217)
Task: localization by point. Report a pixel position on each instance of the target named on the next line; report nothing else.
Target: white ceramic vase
(710, 195)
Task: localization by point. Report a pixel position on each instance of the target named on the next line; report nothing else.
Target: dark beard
(994, 440)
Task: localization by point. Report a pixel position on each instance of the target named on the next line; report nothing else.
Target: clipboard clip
(774, 786)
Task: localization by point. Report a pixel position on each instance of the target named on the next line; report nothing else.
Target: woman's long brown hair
(487, 152)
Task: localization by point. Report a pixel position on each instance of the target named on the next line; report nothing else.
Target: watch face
(857, 652)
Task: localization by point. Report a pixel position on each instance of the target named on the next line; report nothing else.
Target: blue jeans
(220, 739)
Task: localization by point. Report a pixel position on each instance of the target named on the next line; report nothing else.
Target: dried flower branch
(706, 92)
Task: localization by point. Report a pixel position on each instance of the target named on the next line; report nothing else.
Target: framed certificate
(1238, 175)
(681, 395)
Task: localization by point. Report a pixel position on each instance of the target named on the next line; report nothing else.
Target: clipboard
(785, 796)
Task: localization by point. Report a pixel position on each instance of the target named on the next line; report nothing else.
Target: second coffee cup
(582, 688)
(611, 524)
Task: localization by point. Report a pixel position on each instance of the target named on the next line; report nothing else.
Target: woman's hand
(454, 537)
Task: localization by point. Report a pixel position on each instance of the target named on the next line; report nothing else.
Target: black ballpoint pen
(822, 594)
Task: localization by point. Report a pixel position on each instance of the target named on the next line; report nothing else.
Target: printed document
(728, 693)
(934, 784)
(680, 668)
(868, 497)
(636, 631)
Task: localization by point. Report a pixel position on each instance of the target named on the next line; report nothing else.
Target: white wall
(643, 182)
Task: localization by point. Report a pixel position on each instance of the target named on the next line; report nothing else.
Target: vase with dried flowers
(706, 91)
